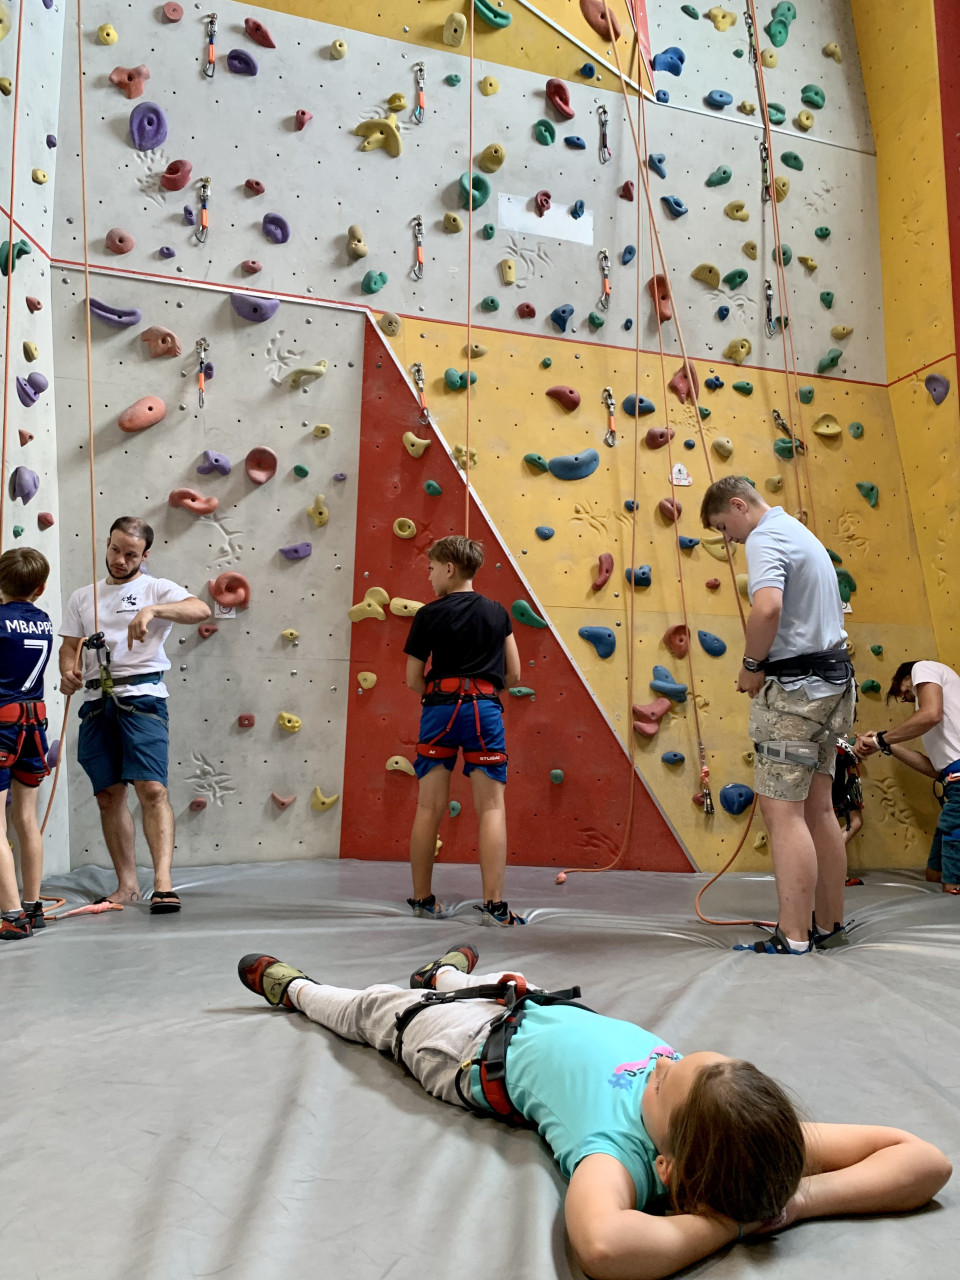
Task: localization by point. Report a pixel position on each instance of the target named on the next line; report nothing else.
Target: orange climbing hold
(647, 717)
(677, 639)
(230, 590)
(660, 293)
(129, 80)
(680, 383)
(606, 568)
(141, 414)
(192, 501)
(261, 464)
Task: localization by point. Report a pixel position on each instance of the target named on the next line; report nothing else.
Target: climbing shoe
(34, 913)
(837, 937)
(428, 907)
(14, 930)
(268, 977)
(462, 957)
(774, 946)
(499, 915)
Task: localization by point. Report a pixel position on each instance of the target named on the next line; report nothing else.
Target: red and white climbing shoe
(462, 957)
(268, 977)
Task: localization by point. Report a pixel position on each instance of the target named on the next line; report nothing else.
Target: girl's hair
(736, 1144)
(22, 571)
(901, 673)
(465, 553)
(716, 500)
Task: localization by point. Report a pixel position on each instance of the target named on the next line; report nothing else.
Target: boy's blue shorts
(129, 743)
(463, 733)
(28, 768)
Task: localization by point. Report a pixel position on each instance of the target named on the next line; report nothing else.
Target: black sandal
(164, 901)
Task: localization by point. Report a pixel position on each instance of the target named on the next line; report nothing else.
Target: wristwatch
(752, 664)
(885, 748)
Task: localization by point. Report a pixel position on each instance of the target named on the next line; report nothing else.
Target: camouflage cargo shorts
(789, 715)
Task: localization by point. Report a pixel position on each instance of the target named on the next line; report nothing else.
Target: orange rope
(466, 447)
(6, 349)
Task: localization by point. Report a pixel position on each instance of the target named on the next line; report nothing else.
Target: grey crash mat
(162, 1123)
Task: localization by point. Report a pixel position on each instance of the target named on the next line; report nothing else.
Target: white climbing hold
(400, 764)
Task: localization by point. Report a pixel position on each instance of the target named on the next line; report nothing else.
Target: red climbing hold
(568, 397)
(677, 639)
(255, 185)
(190, 500)
(251, 266)
(197, 804)
(303, 118)
(45, 520)
(670, 509)
(119, 241)
(25, 437)
(626, 191)
(260, 464)
(246, 720)
(606, 568)
(173, 13)
(129, 80)
(598, 16)
(231, 590)
(176, 175)
(657, 437)
(34, 304)
(660, 293)
(141, 414)
(712, 584)
(282, 802)
(542, 202)
(559, 99)
(646, 718)
(526, 311)
(207, 629)
(258, 33)
(680, 383)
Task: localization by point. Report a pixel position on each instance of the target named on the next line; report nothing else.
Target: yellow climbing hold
(827, 426)
(371, 606)
(6, 84)
(841, 331)
(491, 157)
(460, 457)
(318, 513)
(397, 102)
(30, 351)
(400, 764)
(40, 176)
(390, 324)
(454, 29)
(477, 349)
(414, 445)
(832, 50)
(737, 350)
(774, 483)
(747, 757)
(290, 634)
(320, 803)
(404, 528)
(708, 274)
(489, 85)
(747, 108)
(452, 222)
(508, 271)
(289, 722)
(804, 121)
(721, 18)
(338, 50)
(806, 261)
(769, 57)
(782, 188)
(366, 679)
(723, 446)
(106, 34)
(761, 840)
(355, 242)
(380, 133)
(714, 546)
(750, 249)
(401, 608)
(737, 210)
(743, 585)
(299, 376)
(321, 431)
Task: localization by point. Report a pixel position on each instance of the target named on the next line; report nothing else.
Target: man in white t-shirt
(797, 671)
(123, 720)
(934, 689)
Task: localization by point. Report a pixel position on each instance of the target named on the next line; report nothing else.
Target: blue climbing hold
(574, 466)
(544, 532)
(578, 209)
(735, 797)
(636, 406)
(723, 312)
(588, 71)
(561, 316)
(671, 60)
(712, 644)
(628, 254)
(628, 324)
(689, 444)
(673, 757)
(674, 206)
(641, 577)
(575, 142)
(718, 99)
(664, 683)
(714, 383)
(662, 95)
(687, 544)
(630, 505)
(657, 161)
(602, 639)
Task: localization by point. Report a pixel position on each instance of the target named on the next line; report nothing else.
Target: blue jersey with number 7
(26, 638)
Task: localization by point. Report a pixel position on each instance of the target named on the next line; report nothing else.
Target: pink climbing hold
(559, 99)
(176, 175)
(626, 191)
(282, 802)
(141, 414)
(25, 436)
(680, 383)
(303, 118)
(526, 311)
(567, 397)
(606, 568)
(677, 639)
(207, 629)
(261, 464)
(251, 266)
(598, 15)
(255, 185)
(657, 437)
(198, 803)
(33, 304)
(172, 12)
(161, 341)
(45, 520)
(660, 293)
(542, 202)
(231, 590)
(246, 720)
(119, 241)
(129, 80)
(192, 501)
(258, 33)
(647, 717)
(670, 509)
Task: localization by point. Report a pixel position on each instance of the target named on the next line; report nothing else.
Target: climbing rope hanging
(10, 264)
(466, 447)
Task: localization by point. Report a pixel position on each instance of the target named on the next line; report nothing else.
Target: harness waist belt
(30, 712)
(832, 665)
(145, 677)
(466, 686)
(951, 773)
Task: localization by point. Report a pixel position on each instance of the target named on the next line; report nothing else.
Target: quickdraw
(418, 237)
(204, 227)
(203, 346)
(418, 110)
(705, 795)
(606, 395)
(768, 295)
(605, 152)
(210, 69)
(751, 35)
(603, 302)
(417, 370)
(765, 172)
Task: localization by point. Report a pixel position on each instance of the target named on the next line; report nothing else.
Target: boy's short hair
(22, 571)
(465, 553)
(134, 527)
(717, 498)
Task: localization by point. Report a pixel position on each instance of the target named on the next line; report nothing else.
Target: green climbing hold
(300, 471)
(522, 612)
(876, 650)
(523, 691)
(544, 132)
(373, 281)
(811, 95)
(869, 491)
(805, 395)
(830, 360)
(546, 362)
(827, 298)
(783, 448)
(720, 176)
(596, 321)
(18, 530)
(785, 253)
(870, 686)
(778, 28)
(792, 161)
(704, 412)
(745, 389)
(822, 233)
(734, 279)
(452, 79)
(556, 775)
(481, 190)
(20, 247)
(454, 808)
(492, 16)
(856, 430)
(776, 113)
(847, 584)
(452, 378)
(834, 557)
(490, 303)
(488, 231)
(537, 461)
(738, 52)
(433, 489)
(782, 322)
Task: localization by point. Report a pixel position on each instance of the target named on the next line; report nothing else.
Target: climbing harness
(471, 690)
(832, 665)
(605, 152)
(606, 395)
(418, 110)
(29, 717)
(603, 302)
(764, 172)
(211, 67)
(417, 370)
(418, 237)
(202, 230)
(768, 298)
(203, 346)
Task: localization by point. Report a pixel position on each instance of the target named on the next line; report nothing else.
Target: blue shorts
(28, 768)
(129, 743)
(945, 850)
(463, 733)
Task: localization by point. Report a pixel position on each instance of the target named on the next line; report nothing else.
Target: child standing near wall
(26, 638)
(473, 656)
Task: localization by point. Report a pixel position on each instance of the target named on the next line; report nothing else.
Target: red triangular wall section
(579, 822)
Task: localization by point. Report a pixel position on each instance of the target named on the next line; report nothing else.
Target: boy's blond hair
(464, 553)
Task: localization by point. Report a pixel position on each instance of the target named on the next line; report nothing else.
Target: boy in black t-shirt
(473, 655)
(26, 638)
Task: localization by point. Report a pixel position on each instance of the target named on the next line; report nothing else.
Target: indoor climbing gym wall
(341, 269)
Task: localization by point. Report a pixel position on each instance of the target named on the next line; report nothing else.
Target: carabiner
(606, 395)
(418, 236)
(765, 172)
(418, 110)
(211, 66)
(203, 346)
(605, 152)
(751, 35)
(204, 227)
(417, 370)
(603, 302)
(780, 423)
(768, 295)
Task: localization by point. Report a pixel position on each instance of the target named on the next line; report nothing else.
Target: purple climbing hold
(53, 754)
(119, 317)
(276, 228)
(214, 462)
(241, 63)
(938, 386)
(48, 4)
(166, 252)
(189, 217)
(297, 551)
(208, 370)
(51, 141)
(340, 476)
(148, 126)
(24, 484)
(30, 389)
(250, 307)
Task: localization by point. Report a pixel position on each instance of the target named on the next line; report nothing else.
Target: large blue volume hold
(574, 466)
(735, 797)
(602, 639)
(664, 683)
(670, 60)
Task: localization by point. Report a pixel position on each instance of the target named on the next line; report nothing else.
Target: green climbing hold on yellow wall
(834, 557)
(792, 161)
(811, 95)
(734, 279)
(546, 362)
(870, 686)
(704, 412)
(869, 491)
(876, 650)
(856, 430)
(537, 461)
(847, 584)
(827, 298)
(805, 395)
(783, 448)
(522, 612)
(822, 233)
(830, 360)
(745, 388)
(492, 16)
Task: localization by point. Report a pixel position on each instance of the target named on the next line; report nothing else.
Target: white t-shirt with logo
(117, 606)
(941, 744)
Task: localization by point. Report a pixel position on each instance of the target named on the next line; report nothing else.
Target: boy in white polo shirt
(123, 719)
